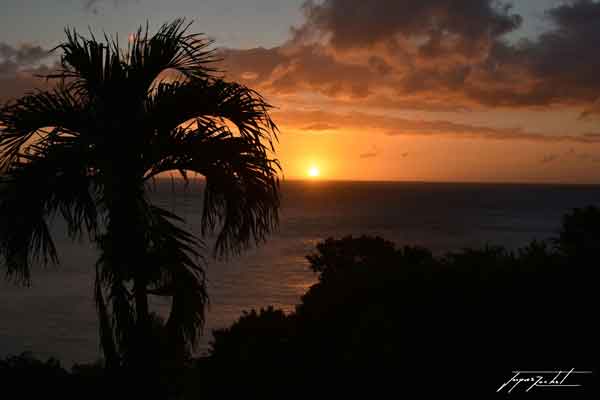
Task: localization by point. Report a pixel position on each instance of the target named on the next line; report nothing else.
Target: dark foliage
(580, 237)
(471, 316)
(26, 377)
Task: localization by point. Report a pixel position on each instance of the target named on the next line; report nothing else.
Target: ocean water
(56, 315)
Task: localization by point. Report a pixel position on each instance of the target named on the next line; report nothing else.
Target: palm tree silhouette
(87, 149)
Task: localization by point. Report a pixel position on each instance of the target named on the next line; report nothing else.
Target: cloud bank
(431, 54)
(395, 126)
(19, 67)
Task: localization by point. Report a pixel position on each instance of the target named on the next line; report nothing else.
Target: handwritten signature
(529, 380)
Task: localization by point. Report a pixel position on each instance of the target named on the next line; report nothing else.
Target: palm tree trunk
(107, 339)
(127, 232)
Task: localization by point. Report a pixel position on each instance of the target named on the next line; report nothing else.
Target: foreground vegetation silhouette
(383, 318)
(454, 324)
(87, 149)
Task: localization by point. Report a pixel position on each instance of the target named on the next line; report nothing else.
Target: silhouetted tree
(85, 150)
(579, 237)
(426, 319)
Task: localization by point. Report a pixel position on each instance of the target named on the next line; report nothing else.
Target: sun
(314, 172)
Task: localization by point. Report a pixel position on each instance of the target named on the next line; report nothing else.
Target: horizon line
(420, 181)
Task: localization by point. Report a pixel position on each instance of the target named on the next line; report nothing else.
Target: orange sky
(372, 155)
(365, 91)
(502, 145)
(428, 90)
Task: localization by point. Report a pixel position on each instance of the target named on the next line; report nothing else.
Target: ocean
(56, 315)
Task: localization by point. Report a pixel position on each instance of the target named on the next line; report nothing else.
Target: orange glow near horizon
(372, 155)
(355, 153)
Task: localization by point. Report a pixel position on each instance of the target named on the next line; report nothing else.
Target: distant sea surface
(56, 315)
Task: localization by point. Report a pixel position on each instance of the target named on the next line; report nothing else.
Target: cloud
(549, 158)
(559, 67)
(570, 155)
(589, 157)
(368, 155)
(395, 126)
(317, 127)
(93, 6)
(375, 153)
(14, 59)
(582, 156)
(432, 55)
(304, 68)
(451, 129)
(592, 136)
(441, 25)
(20, 67)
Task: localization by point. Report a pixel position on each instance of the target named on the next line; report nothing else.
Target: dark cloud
(571, 155)
(94, 5)
(20, 68)
(561, 66)
(254, 64)
(439, 25)
(447, 128)
(14, 59)
(373, 153)
(289, 70)
(395, 126)
(319, 127)
(433, 55)
(368, 155)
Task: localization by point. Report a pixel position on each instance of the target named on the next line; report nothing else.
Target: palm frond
(37, 117)
(242, 187)
(182, 275)
(174, 103)
(52, 179)
(171, 48)
(90, 68)
(24, 236)
(102, 69)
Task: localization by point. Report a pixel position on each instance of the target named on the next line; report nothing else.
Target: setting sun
(314, 172)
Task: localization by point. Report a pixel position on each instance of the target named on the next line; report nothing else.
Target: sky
(426, 90)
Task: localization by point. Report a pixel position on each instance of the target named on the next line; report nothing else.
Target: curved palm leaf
(174, 103)
(51, 177)
(96, 68)
(181, 276)
(242, 188)
(59, 111)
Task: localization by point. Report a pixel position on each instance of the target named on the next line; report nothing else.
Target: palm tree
(87, 149)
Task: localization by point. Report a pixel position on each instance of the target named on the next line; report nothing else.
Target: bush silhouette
(376, 305)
